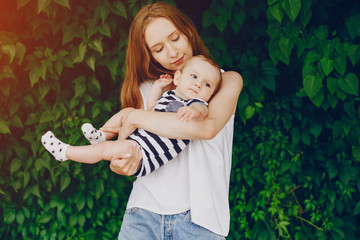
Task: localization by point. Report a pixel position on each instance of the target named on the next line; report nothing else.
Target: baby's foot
(92, 134)
(56, 147)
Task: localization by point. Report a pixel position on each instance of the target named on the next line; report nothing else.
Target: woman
(188, 197)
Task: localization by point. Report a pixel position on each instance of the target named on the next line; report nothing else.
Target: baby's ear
(177, 75)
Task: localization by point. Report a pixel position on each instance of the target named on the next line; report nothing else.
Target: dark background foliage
(296, 148)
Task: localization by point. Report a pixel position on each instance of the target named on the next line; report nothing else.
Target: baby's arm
(158, 89)
(193, 112)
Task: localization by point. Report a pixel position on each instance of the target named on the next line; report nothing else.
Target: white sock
(93, 135)
(56, 147)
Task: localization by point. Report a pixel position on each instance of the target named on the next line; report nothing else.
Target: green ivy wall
(296, 155)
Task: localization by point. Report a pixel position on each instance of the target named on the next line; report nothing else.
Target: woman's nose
(172, 51)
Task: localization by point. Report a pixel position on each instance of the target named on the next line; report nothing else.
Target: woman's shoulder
(232, 80)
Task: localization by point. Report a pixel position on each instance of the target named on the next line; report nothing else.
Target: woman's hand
(126, 163)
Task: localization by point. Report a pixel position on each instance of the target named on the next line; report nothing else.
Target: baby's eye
(193, 76)
(207, 85)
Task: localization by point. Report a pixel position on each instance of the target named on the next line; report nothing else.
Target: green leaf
(80, 86)
(20, 217)
(4, 127)
(105, 30)
(21, 3)
(337, 233)
(9, 50)
(321, 32)
(68, 33)
(312, 85)
(64, 3)
(9, 216)
(207, 19)
(353, 26)
(340, 65)
(82, 49)
(332, 85)
(94, 86)
(90, 61)
(36, 190)
(349, 84)
(15, 165)
(353, 51)
(64, 181)
(312, 56)
(43, 90)
(319, 98)
(344, 175)
(249, 112)
(239, 17)
(292, 8)
(357, 209)
(333, 100)
(119, 9)
(81, 220)
(44, 219)
(46, 116)
(42, 4)
(333, 171)
(286, 45)
(97, 46)
(90, 202)
(26, 178)
(80, 204)
(91, 30)
(221, 22)
(20, 51)
(315, 129)
(276, 12)
(356, 152)
(73, 219)
(305, 18)
(327, 65)
(32, 119)
(305, 138)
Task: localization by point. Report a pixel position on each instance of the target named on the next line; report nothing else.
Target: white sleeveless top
(197, 179)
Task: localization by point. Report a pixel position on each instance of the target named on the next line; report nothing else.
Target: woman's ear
(177, 75)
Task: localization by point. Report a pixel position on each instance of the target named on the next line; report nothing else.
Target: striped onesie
(156, 150)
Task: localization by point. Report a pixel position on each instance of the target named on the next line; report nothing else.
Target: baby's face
(199, 79)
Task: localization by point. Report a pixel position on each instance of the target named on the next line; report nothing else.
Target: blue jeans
(141, 224)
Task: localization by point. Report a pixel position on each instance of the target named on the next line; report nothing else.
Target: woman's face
(168, 46)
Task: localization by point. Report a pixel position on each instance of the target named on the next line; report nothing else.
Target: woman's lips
(179, 61)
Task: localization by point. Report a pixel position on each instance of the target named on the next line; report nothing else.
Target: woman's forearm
(165, 124)
(221, 108)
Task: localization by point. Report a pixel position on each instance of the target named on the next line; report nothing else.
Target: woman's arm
(221, 107)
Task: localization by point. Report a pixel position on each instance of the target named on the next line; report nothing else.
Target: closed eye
(175, 38)
(159, 50)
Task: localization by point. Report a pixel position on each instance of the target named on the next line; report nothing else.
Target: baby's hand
(164, 81)
(187, 113)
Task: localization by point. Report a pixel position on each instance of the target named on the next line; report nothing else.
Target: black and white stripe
(156, 150)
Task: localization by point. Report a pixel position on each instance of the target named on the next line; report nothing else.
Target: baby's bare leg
(97, 152)
(84, 154)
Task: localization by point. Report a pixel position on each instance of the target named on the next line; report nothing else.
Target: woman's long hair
(140, 65)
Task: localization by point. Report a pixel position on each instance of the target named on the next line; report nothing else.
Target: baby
(195, 83)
